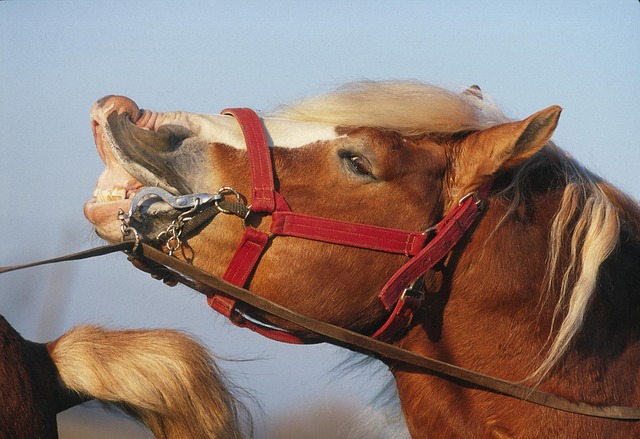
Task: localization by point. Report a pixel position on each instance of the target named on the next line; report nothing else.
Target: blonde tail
(163, 378)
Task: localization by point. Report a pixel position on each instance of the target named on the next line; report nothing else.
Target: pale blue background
(58, 57)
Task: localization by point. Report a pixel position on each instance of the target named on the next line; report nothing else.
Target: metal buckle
(226, 190)
(430, 230)
(412, 292)
(473, 195)
(478, 201)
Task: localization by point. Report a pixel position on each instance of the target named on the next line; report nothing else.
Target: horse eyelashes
(360, 165)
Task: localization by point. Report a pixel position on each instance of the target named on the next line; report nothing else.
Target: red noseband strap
(397, 296)
(253, 242)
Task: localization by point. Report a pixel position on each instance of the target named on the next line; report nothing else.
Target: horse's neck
(489, 311)
(490, 286)
(479, 314)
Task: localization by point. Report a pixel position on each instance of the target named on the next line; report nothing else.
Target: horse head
(386, 154)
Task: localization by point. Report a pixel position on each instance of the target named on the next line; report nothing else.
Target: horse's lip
(115, 187)
(106, 203)
(103, 211)
(123, 176)
(114, 179)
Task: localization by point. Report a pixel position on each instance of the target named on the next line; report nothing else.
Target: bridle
(401, 294)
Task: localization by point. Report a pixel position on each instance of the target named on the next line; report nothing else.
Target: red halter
(397, 296)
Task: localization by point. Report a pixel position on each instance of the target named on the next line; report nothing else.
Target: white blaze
(280, 132)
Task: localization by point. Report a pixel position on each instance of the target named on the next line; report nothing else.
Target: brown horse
(543, 290)
(163, 378)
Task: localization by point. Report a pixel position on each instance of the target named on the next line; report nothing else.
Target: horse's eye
(360, 165)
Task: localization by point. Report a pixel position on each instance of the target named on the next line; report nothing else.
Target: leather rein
(401, 295)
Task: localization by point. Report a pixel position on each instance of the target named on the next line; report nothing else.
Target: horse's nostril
(114, 104)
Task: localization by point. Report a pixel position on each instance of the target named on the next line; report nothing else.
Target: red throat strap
(396, 293)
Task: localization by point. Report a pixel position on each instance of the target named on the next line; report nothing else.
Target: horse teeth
(110, 194)
(131, 193)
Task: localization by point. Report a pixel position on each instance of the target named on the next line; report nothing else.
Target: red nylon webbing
(240, 267)
(265, 199)
(345, 233)
(448, 233)
(262, 187)
(400, 317)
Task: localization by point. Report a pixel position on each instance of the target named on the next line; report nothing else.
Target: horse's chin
(104, 217)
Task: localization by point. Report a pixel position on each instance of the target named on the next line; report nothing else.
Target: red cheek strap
(260, 167)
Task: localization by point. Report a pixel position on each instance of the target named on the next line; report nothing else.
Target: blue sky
(58, 57)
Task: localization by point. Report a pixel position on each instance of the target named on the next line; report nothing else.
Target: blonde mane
(587, 219)
(407, 107)
(587, 222)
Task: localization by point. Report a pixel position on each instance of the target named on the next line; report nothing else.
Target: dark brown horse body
(31, 397)
(544, 289)
(139, 371)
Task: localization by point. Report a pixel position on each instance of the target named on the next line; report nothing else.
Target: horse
(542, 289)
(163, 378)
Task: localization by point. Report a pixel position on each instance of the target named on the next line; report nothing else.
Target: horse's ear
(473, 90)
(487, 153)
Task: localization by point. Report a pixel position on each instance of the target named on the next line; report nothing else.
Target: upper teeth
(113, 194)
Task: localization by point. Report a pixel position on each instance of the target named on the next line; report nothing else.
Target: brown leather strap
(202, 281)
(366, 345)
(93, 252)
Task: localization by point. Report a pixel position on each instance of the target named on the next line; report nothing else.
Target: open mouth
(116, 187)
